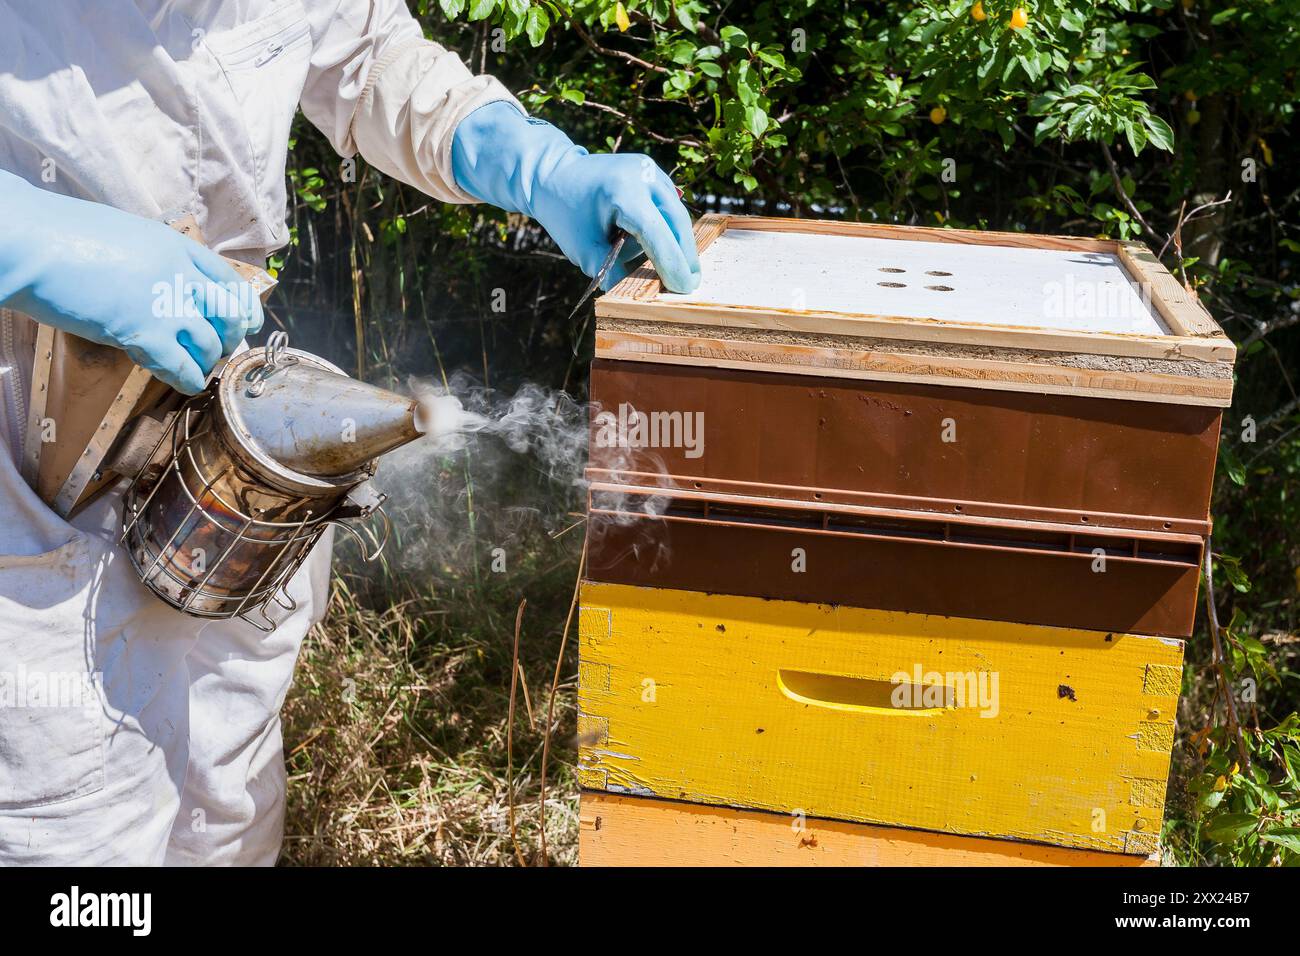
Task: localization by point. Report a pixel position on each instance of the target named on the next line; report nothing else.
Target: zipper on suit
(15, 401)
(263, 52)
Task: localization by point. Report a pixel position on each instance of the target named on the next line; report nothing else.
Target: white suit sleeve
(377, 87)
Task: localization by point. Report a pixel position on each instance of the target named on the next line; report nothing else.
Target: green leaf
(536, 23)
(1007, 133)
(986, 67)
(573, 96)
(733, 36)
(928, 32)
(1161, 136)
(1137, 136)
(1231, 568)
(1077, 120)
(682, 52)
(1230, 827)
(1043, 102)
(1209, 799)
(1288, 837)
(1045, 128)
(742, 81)
(1232, 465)
(1073, 21)
(481, 9)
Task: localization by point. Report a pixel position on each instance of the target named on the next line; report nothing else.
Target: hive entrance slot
(1019, 536)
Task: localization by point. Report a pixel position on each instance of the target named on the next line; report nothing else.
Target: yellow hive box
(616, 830)
(972, 727)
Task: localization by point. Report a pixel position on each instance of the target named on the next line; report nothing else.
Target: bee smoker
(245, 477)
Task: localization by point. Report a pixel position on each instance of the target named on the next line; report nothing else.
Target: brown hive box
(990, 425)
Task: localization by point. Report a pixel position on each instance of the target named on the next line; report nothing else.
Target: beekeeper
(130, 733)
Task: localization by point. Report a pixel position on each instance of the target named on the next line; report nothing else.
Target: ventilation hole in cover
(891, 269)
(939, 288)
(938, 272)
(893, 285)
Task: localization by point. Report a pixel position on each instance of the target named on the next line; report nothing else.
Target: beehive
(929, 451)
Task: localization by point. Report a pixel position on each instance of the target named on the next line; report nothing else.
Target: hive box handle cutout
(865, 695)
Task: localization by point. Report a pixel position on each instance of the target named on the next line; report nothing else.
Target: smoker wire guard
(301, 535)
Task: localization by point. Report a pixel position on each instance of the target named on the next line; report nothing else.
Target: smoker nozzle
(315, 421)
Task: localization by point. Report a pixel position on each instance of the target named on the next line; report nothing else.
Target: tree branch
(632, 122)
(1123, 194)
(1264, 329)
(1184, 218)
(1220, 662)
(617, 54)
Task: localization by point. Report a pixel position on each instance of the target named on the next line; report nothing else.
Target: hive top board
(1010, 311)
(944, 282)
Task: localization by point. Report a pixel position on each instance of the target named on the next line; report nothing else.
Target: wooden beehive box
(1010, 412)
(871, 458)
(1050, 735)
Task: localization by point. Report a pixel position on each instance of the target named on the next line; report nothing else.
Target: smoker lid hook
(275, 360)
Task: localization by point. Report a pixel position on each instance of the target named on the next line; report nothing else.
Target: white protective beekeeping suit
(172, 752)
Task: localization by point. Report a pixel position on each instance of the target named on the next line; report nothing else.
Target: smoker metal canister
(221, 520)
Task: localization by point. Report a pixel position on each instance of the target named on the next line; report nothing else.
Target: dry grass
(396, 726)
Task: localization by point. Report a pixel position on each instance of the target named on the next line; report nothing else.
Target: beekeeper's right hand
(121, 280)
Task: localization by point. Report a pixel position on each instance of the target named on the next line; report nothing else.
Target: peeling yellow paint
(1147, 793)
(593, 675)
(1162, 680)
(1157, 736)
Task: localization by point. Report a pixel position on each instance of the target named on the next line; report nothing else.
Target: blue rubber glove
(519, 164)
(116, 279)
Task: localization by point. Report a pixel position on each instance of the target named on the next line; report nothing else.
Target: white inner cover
(991, 285)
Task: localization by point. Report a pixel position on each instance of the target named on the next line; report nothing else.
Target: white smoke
(444, 420)
(491, 469)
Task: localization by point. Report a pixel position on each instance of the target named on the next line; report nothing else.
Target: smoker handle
(378, 542)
